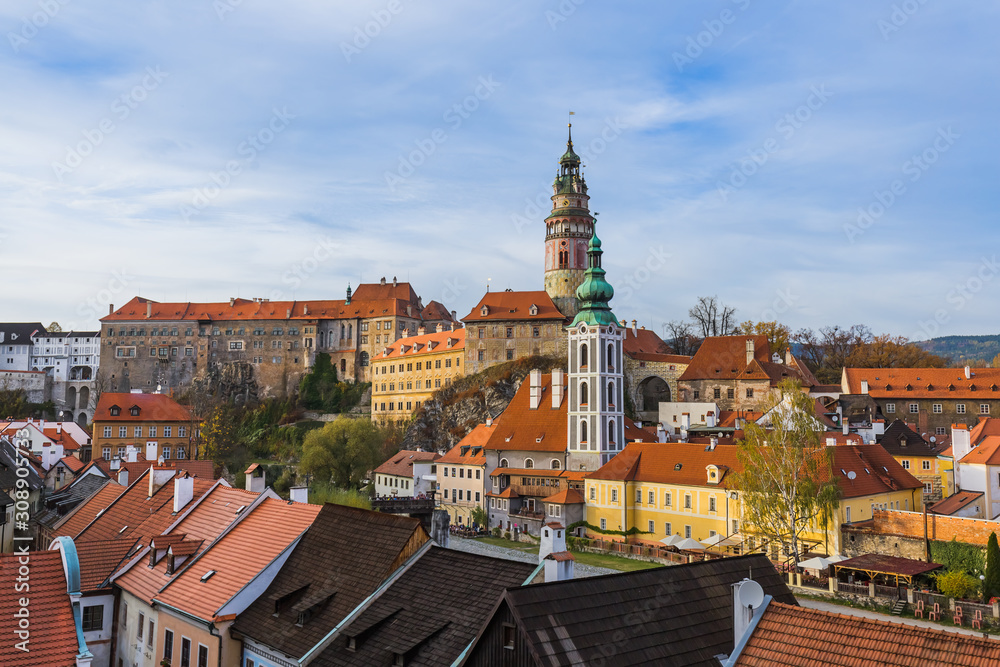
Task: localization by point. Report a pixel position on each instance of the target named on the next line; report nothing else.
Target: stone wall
(940, 528)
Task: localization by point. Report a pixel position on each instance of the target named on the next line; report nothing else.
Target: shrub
(992, 583)
(957, 584)
(496, 531)
(506, 534)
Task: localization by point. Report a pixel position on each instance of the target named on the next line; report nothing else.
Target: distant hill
(964, 349)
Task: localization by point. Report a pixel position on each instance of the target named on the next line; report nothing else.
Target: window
(697, 394)
(106, 452)
(152, 431)
(906, 464)
(93, 618)
(122, 431)
(652, 526)
(167, 430)
(925, 465)
(940, 430)
(151, 633)
(652, 497)
(687, 532)
(614, 495)
(593, 493)
(638, 496)
(984, 408)
(711, 504)
(687, 501)
(730, 393)
(936, 408)
(890, 408)
(666, 499)
(847, 512)
(142, 623)
(235, 345)
(914, 408)
(604, 524)
(202, 655)
(510, 332)
(508, 636)
(510, 355)
(137, 432)
(107, 431)
(168, 644)
(928, 488)
(667, 528)
(717, 393)
(166, 453)
(960, 408)
(749, 393)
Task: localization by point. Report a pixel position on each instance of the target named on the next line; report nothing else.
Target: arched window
(583, 432)
(611, 432)
(364, 358)
(584, 394)
(503, 463)
(555, 464)
(611, 357)
(343, 331)
(343, 367)
(611, 394)
(583, 356)
(528, 463)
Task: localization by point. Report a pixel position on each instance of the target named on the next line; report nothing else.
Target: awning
(720, 540)
(687, 544)
(671, 540)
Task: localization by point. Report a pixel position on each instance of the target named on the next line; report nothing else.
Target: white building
(406, 474)
(72, 359)
(16, 345)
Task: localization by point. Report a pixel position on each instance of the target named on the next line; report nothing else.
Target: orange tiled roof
(565, 497)
(724, 358)
(955, 502)
(415, 346)
(237, 557)
(53, 639)
(540, 430)
(574, 475)
(476, 453)
(152, 407)
(401, 463)
(72, 463)
(435, 310)
(669, 463)
(99, 560)
(875, 471)
(679, 359)
(511, 305)
(643, 341)
(915, 383)
(986, 451)
(987, 426)
(506, 493)
(80, 516)
(800, 637)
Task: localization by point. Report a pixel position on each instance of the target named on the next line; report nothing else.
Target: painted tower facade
(596, 411)
(567, 231)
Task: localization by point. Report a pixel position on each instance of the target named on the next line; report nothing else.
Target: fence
(857, 589)
(887, 591)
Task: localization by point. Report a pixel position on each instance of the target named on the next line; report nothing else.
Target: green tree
(991, 584)
(479, 516)
(778, 335)
(319, 389)
(786, 482)
(344, 451)
(957, 584)
(14, 404)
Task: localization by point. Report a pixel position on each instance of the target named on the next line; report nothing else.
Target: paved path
(485, 549)
(853, 611)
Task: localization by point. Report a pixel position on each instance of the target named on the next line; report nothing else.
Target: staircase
(898, 608)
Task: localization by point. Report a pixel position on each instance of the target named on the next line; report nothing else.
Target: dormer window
(533, 310)
(484, 311)
(134, 411)
(115, 411)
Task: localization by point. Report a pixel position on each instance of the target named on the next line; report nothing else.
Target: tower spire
(595, 291)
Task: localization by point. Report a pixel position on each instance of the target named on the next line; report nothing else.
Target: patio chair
(919, 609)
(957, 618)
(935, 614)
(977, 620)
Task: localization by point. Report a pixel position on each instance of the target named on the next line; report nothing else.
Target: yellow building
(155, 424)
(461, 476)
(917, 456)
(407, 372)
(684, 489)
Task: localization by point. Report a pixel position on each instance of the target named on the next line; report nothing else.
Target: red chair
(977, 620)
(957, 618)
(935, 614)
(919, 609)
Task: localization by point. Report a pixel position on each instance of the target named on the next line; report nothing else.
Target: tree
(956, 584)
(991, 585)
(712, 318)
(680, 336)
(479, 516)
(54, 328)
(344, 451)
(887, 351)
(786, 482)
(778, 335)
(14, 403)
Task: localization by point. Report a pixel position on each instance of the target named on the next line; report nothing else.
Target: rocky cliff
(454, 411)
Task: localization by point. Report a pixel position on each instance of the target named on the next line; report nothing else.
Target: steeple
(567, 228)
(348, 294)
(595, 291)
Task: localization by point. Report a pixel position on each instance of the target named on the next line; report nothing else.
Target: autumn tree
(54, 328)
(778, 335)
(344, 451)
(786, 484)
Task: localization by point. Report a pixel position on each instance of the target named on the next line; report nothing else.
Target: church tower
(567, 230)
(596, 411)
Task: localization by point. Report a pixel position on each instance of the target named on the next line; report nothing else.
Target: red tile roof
(511, 305)
(799, 637)
(81, 515)
(416, 346)
(888, 565)
(541, 472)
(644, 341)
(875, 471)
(725, 358)
(475, 441)
(986, 451)
(565, 497)
(436, 310)
(401, 463)
(955, 502)
(670, 463)
(152, 407)
(506, 493)
(72, 463)
(237, 557)
(99, 560)
(52, 642)
(924, 382)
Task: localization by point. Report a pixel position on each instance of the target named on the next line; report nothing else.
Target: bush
(506, 534)
(496, 531)
(992, 583)
(957, 584)
(955, 555)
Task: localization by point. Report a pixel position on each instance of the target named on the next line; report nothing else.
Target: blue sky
(195, 151)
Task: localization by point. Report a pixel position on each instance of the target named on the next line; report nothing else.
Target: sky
(811, 163)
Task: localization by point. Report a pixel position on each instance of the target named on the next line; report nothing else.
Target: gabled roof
(800, 637)
(565, 497)
(429, 614)
(678, 463)
(417, 346)
(100, 560)
(509, 305)
(523, 429)
(435, 310)
(53, 639)
(955, 502)
(686, 614)
(875, 471)
(73, 464)
(900, 439)
(725, 358)
(346, 554)
(401, 463)
(152, 407)
(917, 383)
(79, 517)
(470, 450)
(65, 499)
(19, 333)
(987, 451)
(643, 341)
(8, 468)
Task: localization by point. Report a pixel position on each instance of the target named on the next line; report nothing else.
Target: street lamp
(982, 588)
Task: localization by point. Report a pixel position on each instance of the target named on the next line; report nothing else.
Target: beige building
(462, 476)
(154, 424)
(408, 372)
(408, 474)
(512, 325)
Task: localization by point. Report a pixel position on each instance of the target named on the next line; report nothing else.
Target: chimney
(288, 313)
(713, 442)
(558, 390)
(183, 491)
(961, 444)
(710, 419)
(439, 327)
(255, 479)
(788, 356)
(382, 282)
(111, 309)
(158, 477)
(847, 426)
(131, 454)
(406, 333)
(122, 475)
(661, 433)
(440, 527)
(299, 494)
(489, 421)
(151, 454)
(748, 596)
(394, 281)
(149, 309)
(421, 330)
(535, 379)
(454, 325)
(232, 301)
(864, 386)
(968, 373)
(305, 309)
(635, 330)
(552, 552)
(59, 428)
(750, 350)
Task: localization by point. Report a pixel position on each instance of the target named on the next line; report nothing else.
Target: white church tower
(596, 415)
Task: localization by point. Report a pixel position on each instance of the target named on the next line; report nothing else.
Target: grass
(607, 561)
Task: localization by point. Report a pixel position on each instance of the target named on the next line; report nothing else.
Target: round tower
(567, 231)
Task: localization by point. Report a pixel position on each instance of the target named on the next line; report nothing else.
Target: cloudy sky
(815, 163)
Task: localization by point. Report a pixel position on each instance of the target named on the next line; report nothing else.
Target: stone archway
(84, 398)
(82, 419)
(71, 398)
(652, 391)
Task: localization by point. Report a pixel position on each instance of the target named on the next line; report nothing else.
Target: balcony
(526, 514)
(404, 505)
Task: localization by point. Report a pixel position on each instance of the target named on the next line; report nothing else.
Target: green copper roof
(595, 292)
(569, 155)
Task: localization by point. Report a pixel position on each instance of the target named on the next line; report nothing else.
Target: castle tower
(596, 411)
(567, 230)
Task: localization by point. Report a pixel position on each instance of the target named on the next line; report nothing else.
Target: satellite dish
(852, 475)
(749, 594)
(933, 439)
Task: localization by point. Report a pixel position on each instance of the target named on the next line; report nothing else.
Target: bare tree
(680, 336)
(713, 318)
